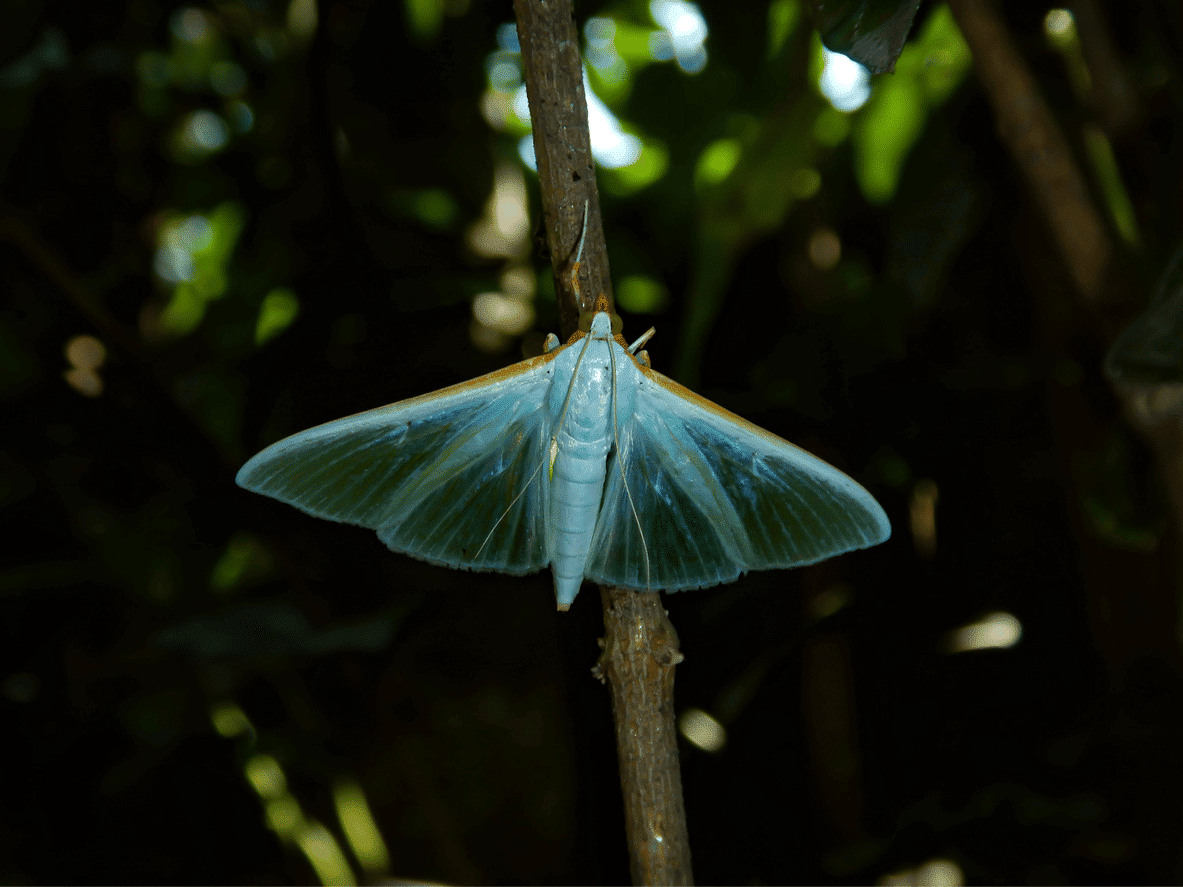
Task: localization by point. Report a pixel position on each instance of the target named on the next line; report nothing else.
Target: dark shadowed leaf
(872, 32)
(270, 629)
(1151, 348)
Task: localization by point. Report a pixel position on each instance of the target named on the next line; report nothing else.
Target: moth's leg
(550, 343)
(642, 357)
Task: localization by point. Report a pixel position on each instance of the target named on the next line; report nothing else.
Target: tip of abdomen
(566, 587)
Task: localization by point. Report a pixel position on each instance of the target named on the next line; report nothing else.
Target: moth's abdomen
(576, 490)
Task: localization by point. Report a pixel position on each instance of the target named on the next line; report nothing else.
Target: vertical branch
(640, 644)
(1038, 147)
(562, 147)
(640, 653)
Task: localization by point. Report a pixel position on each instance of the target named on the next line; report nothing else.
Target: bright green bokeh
(817, 61)
(649, 167)
(284, 815)
(943, 58)
(716, 162)
(887, 128)
(612, 91)
(361, 831)
(783, 16)
(325, 854)
(279, 309)
(1108, 175)
(230, 720)
(209, 253)
(632, 43)
(264, 773)
(832, 126)
(641, 295)
(425, 18)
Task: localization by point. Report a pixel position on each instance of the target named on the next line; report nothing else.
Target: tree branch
(562, 146)
(640, 653)
(640, 644)
(1038, 147)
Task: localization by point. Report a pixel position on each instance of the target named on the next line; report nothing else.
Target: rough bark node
(640, 653)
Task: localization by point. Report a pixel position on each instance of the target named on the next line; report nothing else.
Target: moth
(584, 459)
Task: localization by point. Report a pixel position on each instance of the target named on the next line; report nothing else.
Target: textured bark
(562, 146)
(640, 653)
(640, 644)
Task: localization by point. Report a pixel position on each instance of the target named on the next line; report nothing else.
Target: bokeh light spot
(702, 730)
(641, 295)
(277, 312)
(717, 161)
(683, 35)
(995, 631)
(844, 82)
(825, 249)
(203, 132)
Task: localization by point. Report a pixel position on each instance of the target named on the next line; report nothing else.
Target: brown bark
(562, 147)
(640, 653)
(640, 644)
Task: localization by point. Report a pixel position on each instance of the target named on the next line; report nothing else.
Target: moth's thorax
(601, 326)
(591, 393)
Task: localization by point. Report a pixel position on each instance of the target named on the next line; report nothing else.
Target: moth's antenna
(570, 386)
(508, 509)
(579, 258)
(620, 462)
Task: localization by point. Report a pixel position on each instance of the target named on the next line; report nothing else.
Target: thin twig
(1038, 146)
(640, 643)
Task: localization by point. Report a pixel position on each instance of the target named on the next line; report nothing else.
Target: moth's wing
(454, 477)
(713, 495)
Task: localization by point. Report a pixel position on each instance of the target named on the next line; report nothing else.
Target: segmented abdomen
(576, 490)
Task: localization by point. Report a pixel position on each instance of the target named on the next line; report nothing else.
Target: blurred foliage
(1150, 349)
(227, 222)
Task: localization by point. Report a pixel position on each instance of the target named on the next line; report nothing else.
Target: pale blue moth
(584, 459)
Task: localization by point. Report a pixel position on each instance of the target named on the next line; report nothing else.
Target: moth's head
(610, 327)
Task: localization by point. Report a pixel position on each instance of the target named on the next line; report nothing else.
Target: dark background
(147, 600)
